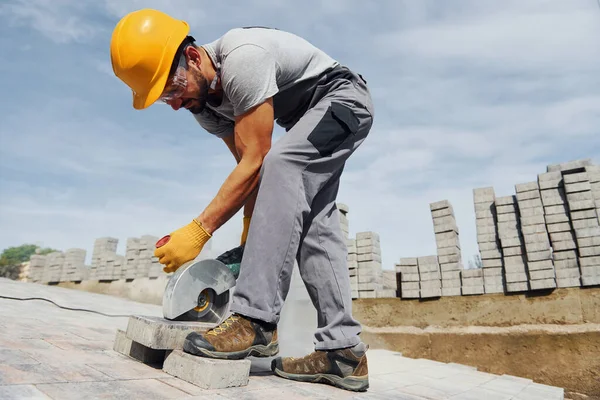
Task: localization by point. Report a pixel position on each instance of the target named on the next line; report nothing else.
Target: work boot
(344, 368)
(235, 338)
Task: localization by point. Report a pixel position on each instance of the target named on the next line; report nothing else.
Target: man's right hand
(181, 246)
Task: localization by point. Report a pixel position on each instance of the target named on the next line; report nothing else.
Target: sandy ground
(553, 339)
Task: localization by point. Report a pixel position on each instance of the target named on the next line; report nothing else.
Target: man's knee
(275, 163)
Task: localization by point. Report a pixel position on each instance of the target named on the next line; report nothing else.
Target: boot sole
(258, 350)
(352, 383)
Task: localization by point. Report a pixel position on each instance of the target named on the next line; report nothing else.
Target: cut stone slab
(22, 392)
(207, 373)
(162, 334)
(137, 351)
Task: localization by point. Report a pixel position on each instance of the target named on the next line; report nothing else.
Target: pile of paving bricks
(512, 244)
(158, 342)
(343, 217)
(544, 236)
(73, 268)
(447, 241)
(535, 236)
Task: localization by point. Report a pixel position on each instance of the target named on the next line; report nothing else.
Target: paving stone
(424, 391)
(451, 386)
(9, 356)
(162, 334)
(57, 355)
(129, 369)
(407, 378)
(137, 351)
(506, 385)
(479, 393)
(19, 374)
(19, 392)
(147, 389)
(10, 342)
(390, 395)
(81, 344)
(537, 391)
(205, 372)
(186, 387)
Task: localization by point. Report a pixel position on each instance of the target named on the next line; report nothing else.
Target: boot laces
(230, 321)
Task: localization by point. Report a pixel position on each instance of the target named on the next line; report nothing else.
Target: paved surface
(50, 353)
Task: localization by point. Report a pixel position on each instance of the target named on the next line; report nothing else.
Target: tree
(476, 262)
(12, 257)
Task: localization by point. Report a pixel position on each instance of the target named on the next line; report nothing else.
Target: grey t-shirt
(258, 63)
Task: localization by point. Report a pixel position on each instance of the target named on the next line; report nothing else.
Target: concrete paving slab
(129, 369)
(184, 386)
(20, 392)
(538, 391)
(506, 385)
(9, 356)
(10, 342)
(162, 334)
(127, 347)
(480, 394)
(205, 372)
(74, 359)
(20, 374)
(147, 389)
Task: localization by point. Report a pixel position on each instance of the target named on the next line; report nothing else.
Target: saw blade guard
(192, 285)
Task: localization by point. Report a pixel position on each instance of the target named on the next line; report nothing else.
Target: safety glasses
(177, 83)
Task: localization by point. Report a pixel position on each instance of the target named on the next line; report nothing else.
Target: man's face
(196, 92)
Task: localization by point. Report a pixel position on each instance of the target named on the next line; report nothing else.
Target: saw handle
(162, 241)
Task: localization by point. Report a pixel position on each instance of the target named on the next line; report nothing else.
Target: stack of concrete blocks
(430, 277)
(448, 247)
(368, 257)
(132, 254)
(407, 270)
(535, 236)
(352, 260)
(74, 266)
(472, 281)
(37, 264)
(490, 228)
(593, 172)
(559, 228)
(102, 247)
(105, 268)
(118, 267)
(584, 218)
(512, 244)
(53, 269)
(148, 265)
(343, 216)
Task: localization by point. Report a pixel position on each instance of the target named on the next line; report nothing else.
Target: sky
(467, 94)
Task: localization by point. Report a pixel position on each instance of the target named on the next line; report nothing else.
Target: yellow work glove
(245, 231)
(181, 246)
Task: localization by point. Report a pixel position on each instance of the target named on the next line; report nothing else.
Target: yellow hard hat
(142, 50)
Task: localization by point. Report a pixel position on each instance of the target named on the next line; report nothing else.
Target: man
(236, 87)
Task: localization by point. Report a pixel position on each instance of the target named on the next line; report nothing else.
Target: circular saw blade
(199, 291)
(212, 309)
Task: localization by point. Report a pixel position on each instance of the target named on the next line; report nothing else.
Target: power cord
(66, 308)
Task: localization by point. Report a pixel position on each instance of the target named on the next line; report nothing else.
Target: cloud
(62, 21)
(467, 94)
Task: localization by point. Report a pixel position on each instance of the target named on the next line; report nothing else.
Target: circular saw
(200, 290)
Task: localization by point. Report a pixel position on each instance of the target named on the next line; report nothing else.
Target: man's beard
(198, 104)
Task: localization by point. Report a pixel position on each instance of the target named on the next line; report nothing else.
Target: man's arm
(253, 134)
(249, 204)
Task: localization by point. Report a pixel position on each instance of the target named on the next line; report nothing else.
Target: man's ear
(193, 54)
